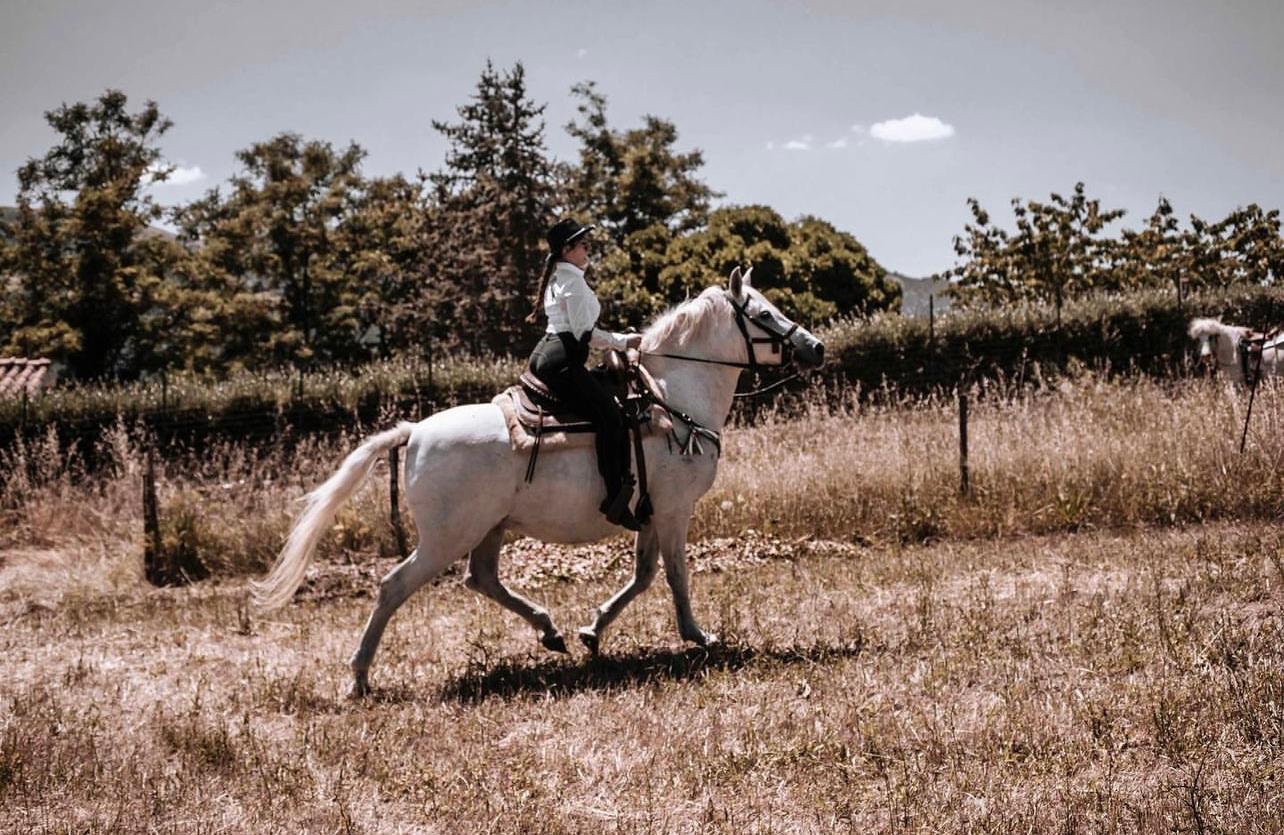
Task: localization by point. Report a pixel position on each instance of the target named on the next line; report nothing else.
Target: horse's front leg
(673, 545)
(646, 554)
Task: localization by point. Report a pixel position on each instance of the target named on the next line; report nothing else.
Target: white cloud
(179, 175)
(916, 128)
(858, 128)
(581, 52)
(801, 144)
(840, 142)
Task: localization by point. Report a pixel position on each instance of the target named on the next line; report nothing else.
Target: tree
(495, 199)
(379, 245)
(83, 274)
(274, 235)
(808, 268)
(1054, 254)
(641, 192)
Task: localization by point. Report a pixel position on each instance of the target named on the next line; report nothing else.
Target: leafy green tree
(82, 273)
(379, 245)
(272, 238)
(1154, 256)
(808, 268)
(986, 274)
(1056, 252)
(494, 198)
(641, 191)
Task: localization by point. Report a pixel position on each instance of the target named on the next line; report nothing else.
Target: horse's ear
(745, 277)
(736, 284)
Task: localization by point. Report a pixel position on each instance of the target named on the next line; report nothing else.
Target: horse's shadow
(561, 677)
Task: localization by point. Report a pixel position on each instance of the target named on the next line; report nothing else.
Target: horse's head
(1218, 345)
(770, 337)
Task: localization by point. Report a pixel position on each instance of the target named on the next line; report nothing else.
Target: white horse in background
(1227, 346)
(465, 485)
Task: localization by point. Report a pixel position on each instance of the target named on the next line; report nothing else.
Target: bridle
(779, 341)
(1248, 348)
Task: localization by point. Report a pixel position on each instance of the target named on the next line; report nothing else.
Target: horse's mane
(678, 326)
(1209, 327)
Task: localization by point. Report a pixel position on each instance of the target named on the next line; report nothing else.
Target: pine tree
(82, 273)
(495, 200)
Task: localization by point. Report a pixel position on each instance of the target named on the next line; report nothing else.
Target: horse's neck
(705, 392)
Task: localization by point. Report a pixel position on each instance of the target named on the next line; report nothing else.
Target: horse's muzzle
(809, 351)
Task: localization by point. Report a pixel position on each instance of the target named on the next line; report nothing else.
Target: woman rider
(559, 359)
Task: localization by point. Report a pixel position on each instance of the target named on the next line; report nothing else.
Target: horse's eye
(764, 314)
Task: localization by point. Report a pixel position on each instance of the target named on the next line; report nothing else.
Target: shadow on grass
(513, 678)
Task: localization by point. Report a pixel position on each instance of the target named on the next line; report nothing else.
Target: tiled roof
(18, 374)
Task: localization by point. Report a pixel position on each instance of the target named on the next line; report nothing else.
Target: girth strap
(642, 510)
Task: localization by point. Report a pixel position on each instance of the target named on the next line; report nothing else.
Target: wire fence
(891, 358)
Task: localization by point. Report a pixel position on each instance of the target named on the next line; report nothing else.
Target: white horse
(1226, 346)
(465, 485)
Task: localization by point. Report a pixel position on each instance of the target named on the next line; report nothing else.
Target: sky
(881, 117)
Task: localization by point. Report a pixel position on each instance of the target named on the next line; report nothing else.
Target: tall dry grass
(1085, 453)
(1122, 681)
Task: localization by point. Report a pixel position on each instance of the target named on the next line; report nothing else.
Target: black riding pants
(559, 362)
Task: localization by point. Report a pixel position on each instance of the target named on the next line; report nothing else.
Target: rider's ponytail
(550, 263)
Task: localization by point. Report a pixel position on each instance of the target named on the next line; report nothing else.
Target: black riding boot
(616, 504)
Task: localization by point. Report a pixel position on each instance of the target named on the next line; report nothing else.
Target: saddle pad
(522, 438)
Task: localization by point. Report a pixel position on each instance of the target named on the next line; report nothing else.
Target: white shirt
(571, 306)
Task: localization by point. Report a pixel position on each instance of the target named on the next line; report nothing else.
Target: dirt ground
(1126, 681)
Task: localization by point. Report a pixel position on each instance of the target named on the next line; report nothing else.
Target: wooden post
(395, 513)
(430, 388)
(931, 320)
(964, 487)
(153, 570)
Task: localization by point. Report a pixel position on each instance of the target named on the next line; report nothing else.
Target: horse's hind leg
(483, 577)
(421, 566)
(646, 556)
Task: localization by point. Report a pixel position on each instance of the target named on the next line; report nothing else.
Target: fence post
(931, 319)
(430, 340)
(153, 571)
(394, 455)
(964, 487)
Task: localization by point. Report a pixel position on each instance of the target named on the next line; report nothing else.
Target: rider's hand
(633, 341)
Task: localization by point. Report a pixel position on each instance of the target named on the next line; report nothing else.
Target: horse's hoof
(360, 688)
(589, 639)
(555, 642)
(707, 640)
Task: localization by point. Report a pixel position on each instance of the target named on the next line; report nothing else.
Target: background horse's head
(1219, 345)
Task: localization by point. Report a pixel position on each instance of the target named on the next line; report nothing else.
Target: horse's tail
(1204, 327)
(276, 589)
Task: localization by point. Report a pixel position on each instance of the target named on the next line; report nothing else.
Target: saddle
(535, 416)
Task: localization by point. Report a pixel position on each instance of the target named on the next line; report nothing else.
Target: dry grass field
(1092, 642)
